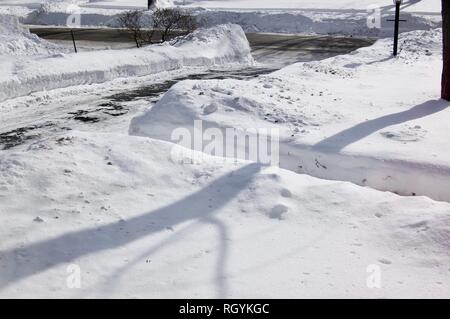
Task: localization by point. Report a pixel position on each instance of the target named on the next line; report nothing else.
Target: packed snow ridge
(224, 44)
(352, 117)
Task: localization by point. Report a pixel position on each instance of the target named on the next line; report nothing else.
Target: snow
(294, 17)
(126, 4)
(205, 47)
(348, 22)
(140, 223)
(408, 5)
(371, 124)
(141, 217)
(15, 40)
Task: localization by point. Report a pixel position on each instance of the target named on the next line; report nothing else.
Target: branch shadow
(112, 281)
(222, 257)
(351, 135)
(20, 263)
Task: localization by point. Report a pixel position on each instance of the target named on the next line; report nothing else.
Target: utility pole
(397, 24)
(446, 50)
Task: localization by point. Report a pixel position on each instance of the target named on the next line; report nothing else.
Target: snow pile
(421, 6)
(415, 46)
(348, 22)
(218, 45)
(59, 5)
(127, 4)
(317, 17)
(92, 13)
(347, 17)
(18, 11)
(352, 117)
(138, 222)
(16, 40)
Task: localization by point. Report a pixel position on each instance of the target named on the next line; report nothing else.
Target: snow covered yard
(363, 117)
(140, 223)
(112, 201)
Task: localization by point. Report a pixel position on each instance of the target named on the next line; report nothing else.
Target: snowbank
(318, 17)
(126, 4)
(409, 6)
(15, 40)
(304, 17)
(137, 222)
(330, 22)
(352, 117)
(218, 45)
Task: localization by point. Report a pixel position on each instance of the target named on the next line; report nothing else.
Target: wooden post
(73, 40)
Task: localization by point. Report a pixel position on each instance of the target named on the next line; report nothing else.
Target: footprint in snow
(278, 211)
(211, 108)
(385, 261)
(286, 193)
(408, 134)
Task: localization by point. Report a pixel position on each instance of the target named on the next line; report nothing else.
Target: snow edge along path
(206, 47)
(334, 122)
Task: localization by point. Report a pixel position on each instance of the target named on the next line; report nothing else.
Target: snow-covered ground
(15, 40)
(347, 17)
(408, 5)
(22, 75)
(113, 205)
(364, 117)
(137, 222)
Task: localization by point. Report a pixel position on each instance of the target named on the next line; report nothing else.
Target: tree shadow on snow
(20, 263)
(111, 282)
(351, 135)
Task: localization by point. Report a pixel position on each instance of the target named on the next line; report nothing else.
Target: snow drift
(127, 4)
(329, 22)
(318, 17)
(352, 117)
(218, 45)
(16, 40)
(423, 6)
(141, 223)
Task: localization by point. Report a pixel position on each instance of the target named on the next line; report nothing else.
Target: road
(110, 107)
(280, 50)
